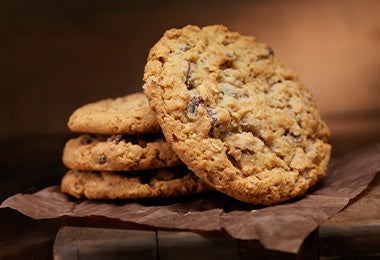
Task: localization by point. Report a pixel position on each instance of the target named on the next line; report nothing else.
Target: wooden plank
(252, 249)
(85, 242)
(355, 231)
(196, 245)
(65, 244)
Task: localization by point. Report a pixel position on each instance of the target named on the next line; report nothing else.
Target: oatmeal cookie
(132, 185)
(236, 116)
(122, 115)
(119, 152)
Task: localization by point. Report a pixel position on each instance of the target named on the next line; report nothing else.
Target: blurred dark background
(58, 55)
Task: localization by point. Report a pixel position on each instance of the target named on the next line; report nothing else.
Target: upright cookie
(132, 185)
(123, 115)
(238, 118)
(119, 152)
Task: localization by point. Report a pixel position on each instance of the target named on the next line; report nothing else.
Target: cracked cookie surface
(129, 114)
(235, 115)
(132, 185)
(119, 152)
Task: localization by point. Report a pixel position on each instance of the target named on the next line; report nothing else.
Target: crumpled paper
(281, 227)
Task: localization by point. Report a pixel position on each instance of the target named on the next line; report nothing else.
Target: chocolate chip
(115, 138)
(295, 138)
(175, 138)
(213, 120)
(235, 163)
(194, 103)
(185, 47)
(226, 65)
(241, 95)
(268, 55)
(102, 159)
(161, 59)
(271, 52)
(188, 81)
(141, 140)
(85, 139)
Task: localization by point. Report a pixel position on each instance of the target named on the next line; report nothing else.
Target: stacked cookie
(121, 153)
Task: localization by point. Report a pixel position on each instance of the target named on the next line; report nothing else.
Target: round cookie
(119, 152)
(123, 115)
(238, 118)
(132, 185)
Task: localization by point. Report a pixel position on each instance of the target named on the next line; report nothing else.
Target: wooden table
(353, 232)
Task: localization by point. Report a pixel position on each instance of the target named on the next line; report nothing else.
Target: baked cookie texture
(132, 185)
(129, 114)
(118, 152)
(121, 153)
(235, 115)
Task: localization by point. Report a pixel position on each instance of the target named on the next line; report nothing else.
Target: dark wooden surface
(355, 231)
(98, 238)
(352, 233)
(30, 164)
(58, 55)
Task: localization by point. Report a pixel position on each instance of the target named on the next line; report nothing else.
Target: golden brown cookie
(235, 115)
(123, 115)
(132, 185)
(119, 152)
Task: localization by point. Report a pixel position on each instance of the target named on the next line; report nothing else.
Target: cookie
(236, 116)
(123, 115)
(132, 185)
(118, 152)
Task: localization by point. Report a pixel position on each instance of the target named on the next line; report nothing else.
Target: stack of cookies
(240, 120)
(121, 153)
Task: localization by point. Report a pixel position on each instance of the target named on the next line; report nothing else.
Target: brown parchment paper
(282, 227)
